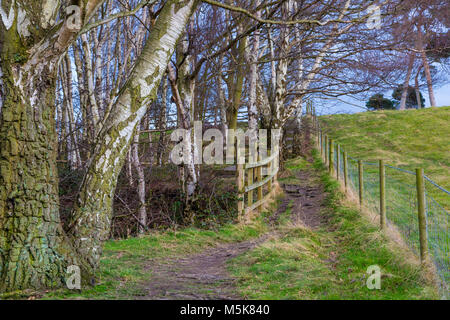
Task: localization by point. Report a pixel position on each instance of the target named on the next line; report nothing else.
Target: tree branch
(278, 22)
(123, 14)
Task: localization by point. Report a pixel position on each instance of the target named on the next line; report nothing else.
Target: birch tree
(35, 251)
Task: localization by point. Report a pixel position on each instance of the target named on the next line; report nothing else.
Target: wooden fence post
(338, 161)
(269, 172)
(422, 215)
(331, 158)
(326, 150)
(361, 182)
(321, 144)
(250, 173)
(317, 135)
(259, 179)
(382, 195)
(345, 171)
(240, 181)
(277, 167)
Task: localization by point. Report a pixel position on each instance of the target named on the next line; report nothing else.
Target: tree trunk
(73, 152)
(426, 67)
(33, 249)
(252, 57)
(222, 103)
(142, 212)
(417, 89)
(238, 84)
(162, 124)
(183, 86)
(282, 69)
(90, 222)
(94, 109)
(406, 83)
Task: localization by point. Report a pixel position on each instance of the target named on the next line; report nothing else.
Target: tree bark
(238, 84)
(222, 102)
(33, 248)
(34, 251)
(91, 218)
(183, 86)
(406, 83)
(162, 124)
(73, 152)
(252, 57)
(417, 89)
(426, 67)
(142, 212)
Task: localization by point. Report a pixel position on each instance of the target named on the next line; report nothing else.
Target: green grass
(296, 264)
(330, 263)
(408, 139)
(123, 265)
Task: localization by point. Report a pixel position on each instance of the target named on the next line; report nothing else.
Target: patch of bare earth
(198, 277)
(307, 200)
(204, 276)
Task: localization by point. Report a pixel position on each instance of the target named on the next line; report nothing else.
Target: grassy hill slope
(408, 139)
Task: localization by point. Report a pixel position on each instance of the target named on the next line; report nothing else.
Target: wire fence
(401, 203)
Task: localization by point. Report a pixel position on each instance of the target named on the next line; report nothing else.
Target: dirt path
(205, 276)
(198, 277)
(307, 200)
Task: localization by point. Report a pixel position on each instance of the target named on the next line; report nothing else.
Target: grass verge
(331, 262)
(124, 265)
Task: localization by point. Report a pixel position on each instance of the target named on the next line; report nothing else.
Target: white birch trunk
(93, 210)
(252, 57)
(142, 212)
(94, 109)
(183, 86)
(162, 123)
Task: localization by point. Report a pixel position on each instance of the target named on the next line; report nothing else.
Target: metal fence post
(361, 182)
(382, 195)
(422, 215)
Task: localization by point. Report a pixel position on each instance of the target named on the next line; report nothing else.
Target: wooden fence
(256, 177)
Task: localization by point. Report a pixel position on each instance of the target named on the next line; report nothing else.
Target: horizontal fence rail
(256, 177)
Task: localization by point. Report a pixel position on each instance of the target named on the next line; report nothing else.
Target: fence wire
(401, 208)
(438, 237)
